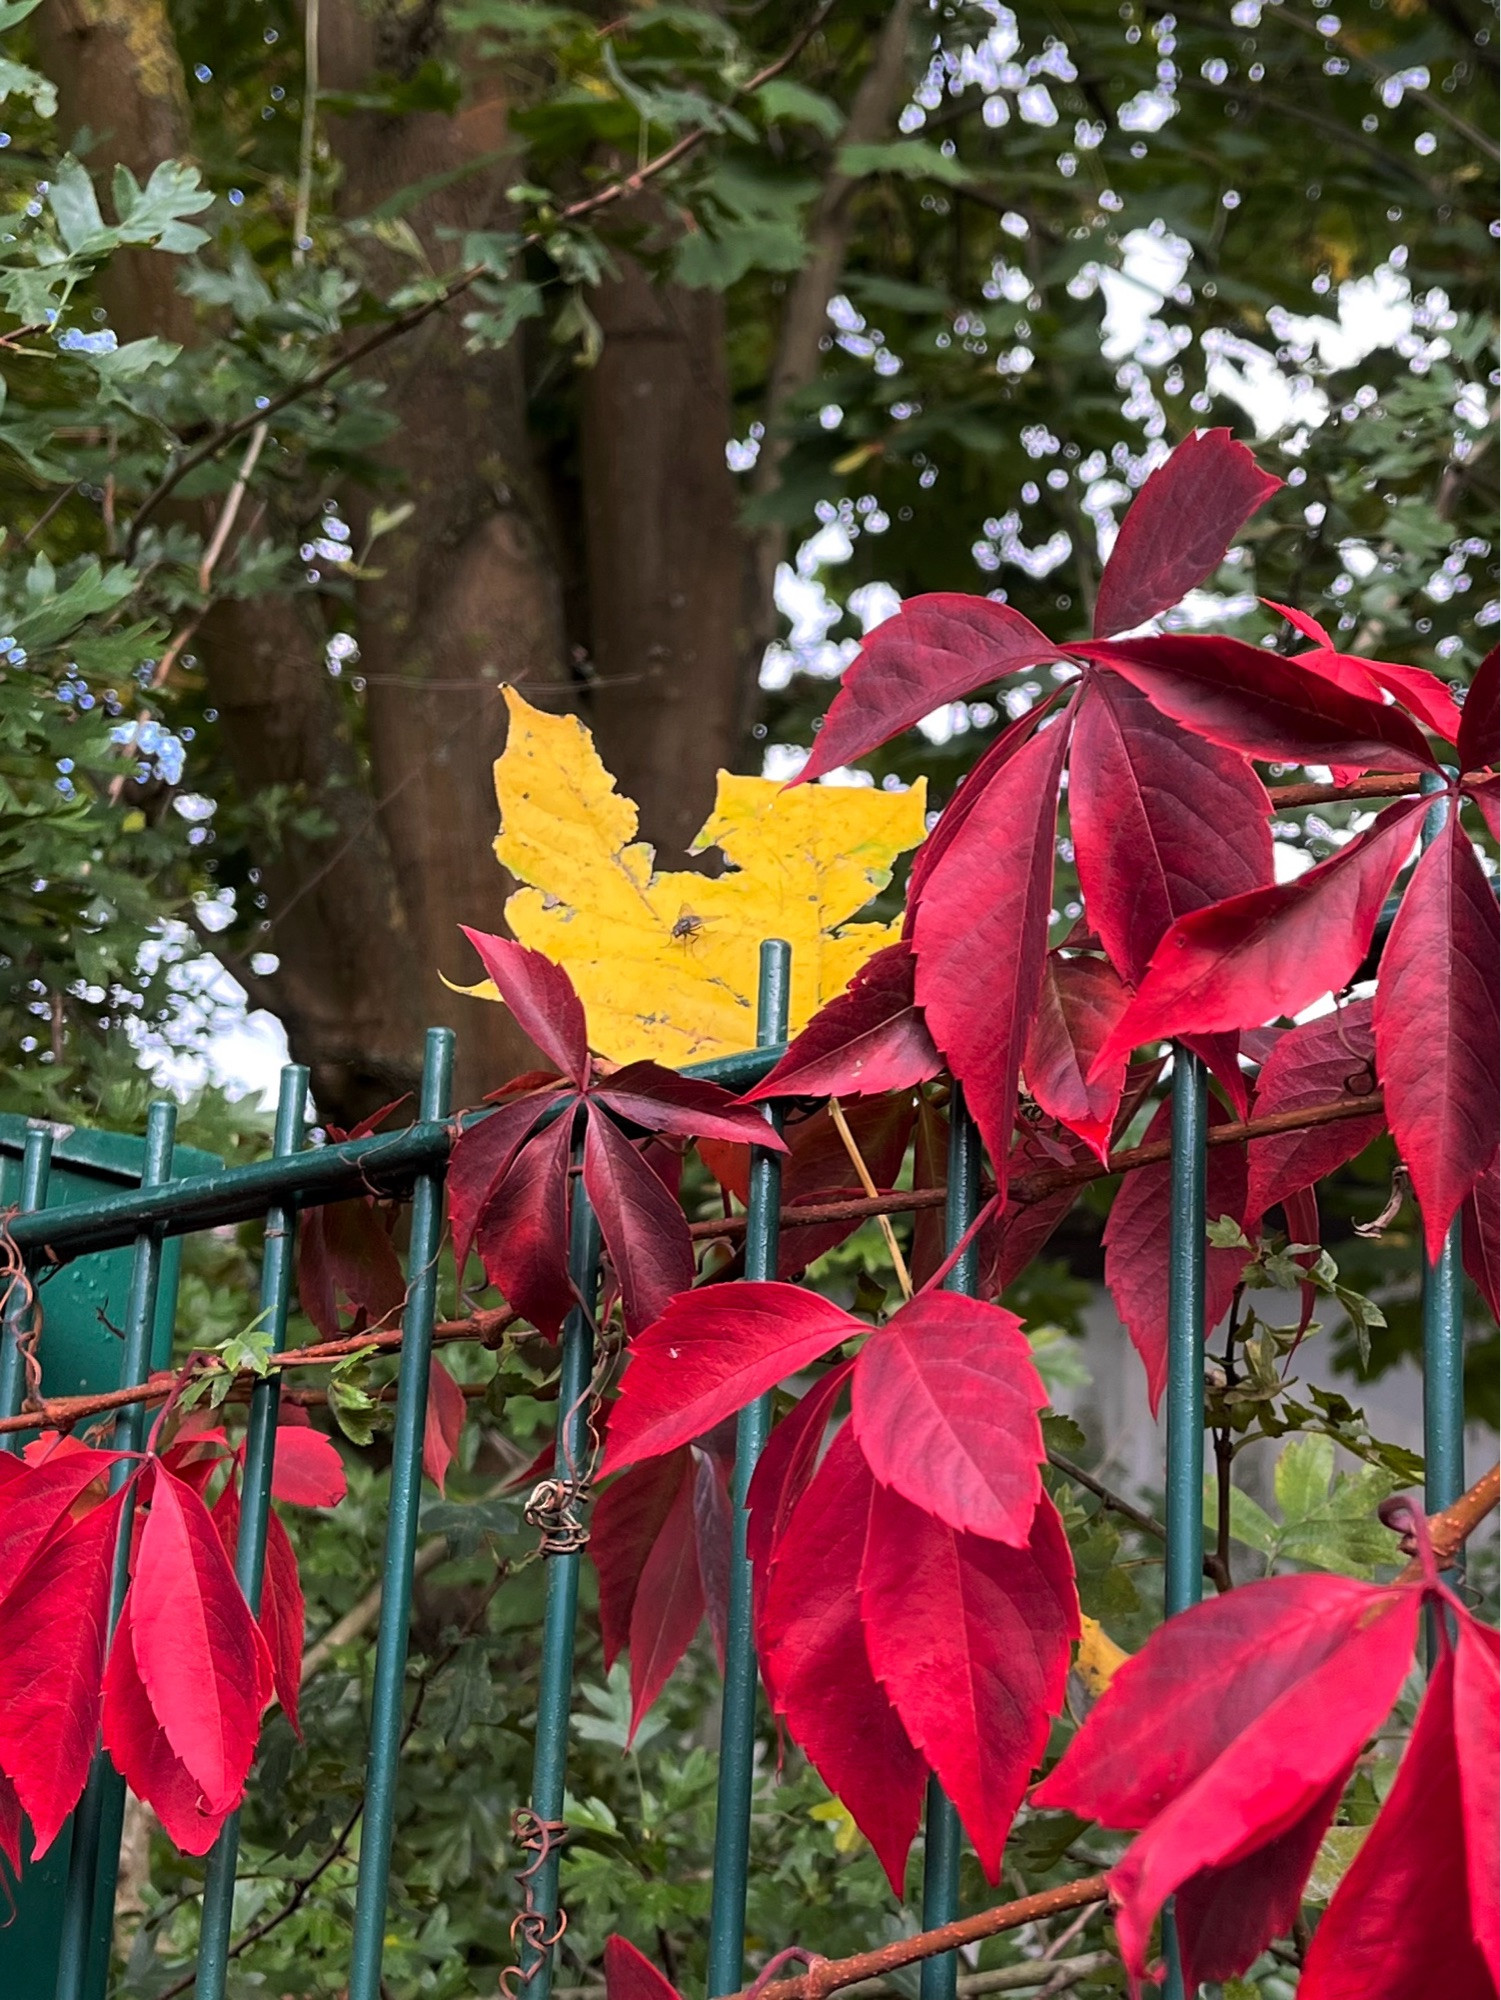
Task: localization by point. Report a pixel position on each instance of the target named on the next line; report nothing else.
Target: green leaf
(72, 200)
(1249, 1524)
(1337, 1850)
(1225, 1233)
(1304, 1471)
(785, 102)
(913, 159)
(495, 326)
(16, 80)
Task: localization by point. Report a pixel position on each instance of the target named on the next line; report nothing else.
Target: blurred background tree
(507, 341)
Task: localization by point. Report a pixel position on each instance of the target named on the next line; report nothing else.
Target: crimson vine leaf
(306, 1469)
(944, 1403)
(669, 1599)
(443, 1423)
(628, 1516)
(1317, 1063)
(1479, 1237)
(936, 649)
(482, 1157)
(541, 996)
(970, 1640)
(642, 1222)
(869, 1040)
(813, 1645)
(143, 1755)
(522, 1231)
(1437, 1028)
(1271, 951)
(1178, 527)
(784, 1469)
(1228, 1740)
(1480, 718)
(1137, 1236)
(1162, 822)
(629, 1976)
(345, 1254)
(981, 933)
(53, 1625)
(1078, 1005)
(1416, 1913)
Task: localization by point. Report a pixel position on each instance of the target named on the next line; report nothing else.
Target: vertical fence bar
(737, 1732)
(401, 1541)
(1183, 1574)
(255, 1508)
(88, 1909)
(939, 1977)
(560, 1605)
(36, 1169)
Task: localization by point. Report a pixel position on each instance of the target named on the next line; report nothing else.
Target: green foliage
(1328, 1518)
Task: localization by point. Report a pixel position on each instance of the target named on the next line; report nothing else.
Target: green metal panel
(79, 1356)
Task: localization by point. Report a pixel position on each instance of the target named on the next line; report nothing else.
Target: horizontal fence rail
(414, 1162)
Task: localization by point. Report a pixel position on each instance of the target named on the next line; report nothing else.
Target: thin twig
(857, 1161)
(1449, 1530)
(406, 322)
(236, 494)
(308, 135)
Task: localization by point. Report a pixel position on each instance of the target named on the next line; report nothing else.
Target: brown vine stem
(828, 1975)
(579, 211)
(1449, 1530)
(1033, 1186)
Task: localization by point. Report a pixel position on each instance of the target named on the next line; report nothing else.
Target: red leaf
(10, 1825)
(659, 1100)
(627, 1519)
(981, 933)
(1486, 794)
(54, 1626)
(1137, 1236)
(935, 649)
(669, 1602)
(1480, 723)
(944, 1404)
(1079, 1003)
(1178, 527)
(142, 1754)
(1437, 1028)
(344, 1253)
(713, 1535)
(820, 1169)
(1220, 1055)
(446, 1410)
(201, 1658)
(967, 795)
(643, 1225)
(712, 1352)
(1247, 699)
(541, 996)
(1235, 1726)
(784, 1469)
(283, 1618)
(1162, 821)
(872, 1038)
(1422, 693)
(1406, 1922)
(629, 1976)
(307, 1470)
(1312, 1065)
(522, 1231)
(1482, 1250)
(970, 1640)
(1273, 951)
(35, 1505)
(483, 1155)
(1307, 625)
(818, 1671)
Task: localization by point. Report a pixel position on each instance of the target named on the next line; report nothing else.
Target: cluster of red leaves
(1228, 1742)
(914, 1595)
(179, 1687)
(509, 1175)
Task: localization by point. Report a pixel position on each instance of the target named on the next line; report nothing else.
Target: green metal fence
(68, 1229)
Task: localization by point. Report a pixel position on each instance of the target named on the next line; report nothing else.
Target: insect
(688, 927)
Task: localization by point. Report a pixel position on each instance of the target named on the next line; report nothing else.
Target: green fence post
(1183, 1574)
(36, 1168)
(255, 1507)
(737, 1730)
(88, 1913)
(573, 1447)
(384, 1757)
(939, 1977)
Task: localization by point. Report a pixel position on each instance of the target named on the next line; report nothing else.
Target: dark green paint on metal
(1183, 1572)
(255, 1508)
(938, 1977)
(574, 1445)
(382, 1765)
(88, 1912)
(737, 1733)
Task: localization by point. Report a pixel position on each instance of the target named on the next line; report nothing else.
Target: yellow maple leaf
(666, 964)
(1098, 1658)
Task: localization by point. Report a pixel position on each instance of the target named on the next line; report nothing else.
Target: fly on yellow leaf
(666, 963)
